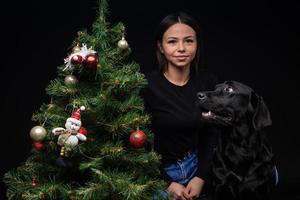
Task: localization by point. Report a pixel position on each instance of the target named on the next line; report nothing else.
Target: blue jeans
(184, 170)
(180, 172)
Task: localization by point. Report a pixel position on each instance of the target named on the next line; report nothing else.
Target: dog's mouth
(222, 118)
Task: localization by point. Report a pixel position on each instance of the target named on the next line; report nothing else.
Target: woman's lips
(181, 58)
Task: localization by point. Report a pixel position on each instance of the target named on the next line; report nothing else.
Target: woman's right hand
(176, 190)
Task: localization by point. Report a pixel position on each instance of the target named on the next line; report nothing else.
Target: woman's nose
(181, 46)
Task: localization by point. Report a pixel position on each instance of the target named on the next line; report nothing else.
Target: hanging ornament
(76, 59)
(34, 182)
(76, 49)
(122, 44)
(38, 133)
(138, 138)
(70, 135)
(38, 145)
(91, 61)
(71, 80)
(78, 56)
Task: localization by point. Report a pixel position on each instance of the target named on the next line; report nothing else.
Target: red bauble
(76, 59)
(34, 182)
(38, 145)
(138, 138)
(91, 61)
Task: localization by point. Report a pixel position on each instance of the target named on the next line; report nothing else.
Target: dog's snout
(201, 95)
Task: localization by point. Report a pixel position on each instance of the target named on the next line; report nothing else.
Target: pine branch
(103, 10)
(59, 89)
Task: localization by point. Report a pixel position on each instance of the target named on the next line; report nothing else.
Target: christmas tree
(91, 140)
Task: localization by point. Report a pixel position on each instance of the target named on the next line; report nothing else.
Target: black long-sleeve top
(176, 121)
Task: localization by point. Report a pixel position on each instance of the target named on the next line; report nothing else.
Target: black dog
(243, 164)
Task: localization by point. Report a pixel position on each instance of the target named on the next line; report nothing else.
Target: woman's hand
(194, 188)
(177, 191)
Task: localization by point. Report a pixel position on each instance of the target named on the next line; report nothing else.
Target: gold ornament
(38, 133)
(62, 151)
(123, 44)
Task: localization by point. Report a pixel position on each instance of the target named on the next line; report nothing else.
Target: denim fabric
(181, 172)
(184, 170)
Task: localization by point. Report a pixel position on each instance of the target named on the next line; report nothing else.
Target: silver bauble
(123, 44)
(76, 49)
(71, 80)
(38, 133)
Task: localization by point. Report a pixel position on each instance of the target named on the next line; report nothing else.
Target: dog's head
(232, 102)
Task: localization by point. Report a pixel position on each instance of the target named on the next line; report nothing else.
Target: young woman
(186, 146)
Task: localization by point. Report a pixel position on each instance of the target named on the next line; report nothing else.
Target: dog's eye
(228, 89)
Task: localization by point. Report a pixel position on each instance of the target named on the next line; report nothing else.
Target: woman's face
(179, 45)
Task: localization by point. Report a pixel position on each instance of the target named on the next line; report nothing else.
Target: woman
(185, 145)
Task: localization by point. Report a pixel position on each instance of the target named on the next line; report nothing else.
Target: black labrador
(243, 163)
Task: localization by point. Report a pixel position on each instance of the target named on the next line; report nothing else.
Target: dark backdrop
(252, 42)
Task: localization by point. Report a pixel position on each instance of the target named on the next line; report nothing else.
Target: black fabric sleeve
(163, 174)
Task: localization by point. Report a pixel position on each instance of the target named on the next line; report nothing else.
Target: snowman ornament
(71, 134)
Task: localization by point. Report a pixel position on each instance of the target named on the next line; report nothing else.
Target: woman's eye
(172, 41)
(228, 89)
(189, 41)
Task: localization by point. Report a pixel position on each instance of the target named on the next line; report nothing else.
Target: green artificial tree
(91, 141)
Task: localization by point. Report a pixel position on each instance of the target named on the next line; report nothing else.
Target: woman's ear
(160, 47)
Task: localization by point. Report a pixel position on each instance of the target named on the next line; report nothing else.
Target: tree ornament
(38, 133)
(34, 181)
(122, 44)
(91, 61)
(76, 59)
(71, 80)
(70, 135)
(38, 145)
(76, 49)
(138, 138)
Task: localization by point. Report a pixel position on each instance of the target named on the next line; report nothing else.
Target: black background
(253, 42)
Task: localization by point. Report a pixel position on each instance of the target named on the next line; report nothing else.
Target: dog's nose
(201, 95)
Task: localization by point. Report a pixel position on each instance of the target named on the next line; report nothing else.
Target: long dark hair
(169, 20)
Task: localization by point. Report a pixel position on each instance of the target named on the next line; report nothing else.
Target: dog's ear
(261, 117)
